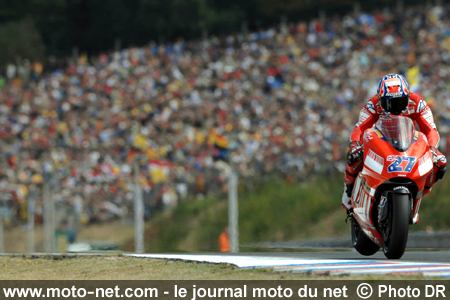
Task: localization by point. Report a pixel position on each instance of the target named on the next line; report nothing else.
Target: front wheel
(394, 231)
(361, 242)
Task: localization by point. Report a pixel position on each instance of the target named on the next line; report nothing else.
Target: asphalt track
(426, 255)
(332, 263)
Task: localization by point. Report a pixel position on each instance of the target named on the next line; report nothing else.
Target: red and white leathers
(421, 115)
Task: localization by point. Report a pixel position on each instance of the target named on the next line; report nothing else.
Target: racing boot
(354, 166)
(346, 196)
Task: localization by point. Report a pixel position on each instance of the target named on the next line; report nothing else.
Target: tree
(20, 39)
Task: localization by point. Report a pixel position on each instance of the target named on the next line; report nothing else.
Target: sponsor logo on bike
(374, 162)
(368, 136)
(425, 164)
(401, 187)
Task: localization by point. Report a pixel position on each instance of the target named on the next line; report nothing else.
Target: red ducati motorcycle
(387, 193)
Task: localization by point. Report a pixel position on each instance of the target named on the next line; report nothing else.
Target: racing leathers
(420, 114)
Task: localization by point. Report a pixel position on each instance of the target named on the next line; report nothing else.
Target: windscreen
(398, 131)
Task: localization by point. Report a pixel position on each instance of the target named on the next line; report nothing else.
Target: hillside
(275, 210)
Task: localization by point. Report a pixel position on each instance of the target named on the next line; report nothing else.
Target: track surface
(442, 256)
(426, 263)
(423, 256)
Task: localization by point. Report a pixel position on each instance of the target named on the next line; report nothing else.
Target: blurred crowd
(279, 101)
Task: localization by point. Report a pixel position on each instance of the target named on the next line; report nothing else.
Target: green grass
(435, 207)
(275, 210)
(283, 211)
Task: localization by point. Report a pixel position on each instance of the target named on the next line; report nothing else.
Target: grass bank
(435, 207)
(272, 210)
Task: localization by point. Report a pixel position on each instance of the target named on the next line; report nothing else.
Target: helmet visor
(394, 106)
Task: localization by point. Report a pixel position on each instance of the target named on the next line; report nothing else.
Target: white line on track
(314, 266)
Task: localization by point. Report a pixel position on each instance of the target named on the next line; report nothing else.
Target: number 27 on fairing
(397, 164)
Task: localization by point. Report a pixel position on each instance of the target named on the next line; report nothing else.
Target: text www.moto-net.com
(74, 292)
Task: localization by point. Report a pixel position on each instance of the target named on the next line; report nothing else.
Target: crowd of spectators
(280, 101)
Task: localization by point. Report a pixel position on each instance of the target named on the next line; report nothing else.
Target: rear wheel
(394, 231)
(362, 243)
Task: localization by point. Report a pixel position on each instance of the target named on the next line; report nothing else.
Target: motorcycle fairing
(371, 180)
(362, 203)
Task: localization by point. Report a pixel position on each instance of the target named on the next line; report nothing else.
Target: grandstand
(277, 101)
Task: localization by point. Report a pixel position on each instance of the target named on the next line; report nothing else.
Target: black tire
(362, 243)
(395, 233)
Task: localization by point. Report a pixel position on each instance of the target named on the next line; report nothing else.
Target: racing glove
(355, 153)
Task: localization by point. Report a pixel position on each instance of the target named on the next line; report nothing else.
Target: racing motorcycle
(388, 191)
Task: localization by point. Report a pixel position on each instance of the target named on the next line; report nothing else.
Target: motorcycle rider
(393, 98)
